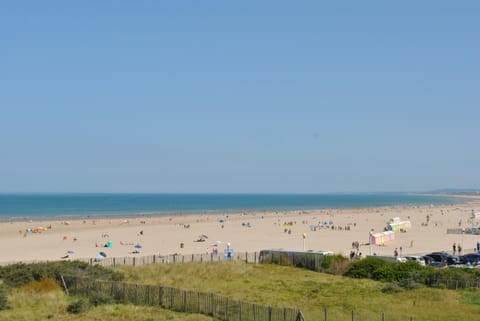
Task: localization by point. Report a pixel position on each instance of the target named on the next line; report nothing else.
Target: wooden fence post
(383, 316)
(353, 315)
(226, 310)
(254, 312)
(269, 313)
(147, 295)
(198, 302)
(184, 301)
(136, 293)
(326, 314)
(212, 305)
(160, 296)
(241, 310)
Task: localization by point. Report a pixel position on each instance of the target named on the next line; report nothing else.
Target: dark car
(438, 264)
(444, 257)
(427, 259)
(472, 258)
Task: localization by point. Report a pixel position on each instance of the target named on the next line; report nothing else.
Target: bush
(380, 270)
(79, 306)
(410, 284)
(335, 264)
(392, 287)
(44, 285)
(100, 298)
(3, 298)
(366, 268)
(19, 274)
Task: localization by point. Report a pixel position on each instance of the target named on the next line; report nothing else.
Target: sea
(15, 207)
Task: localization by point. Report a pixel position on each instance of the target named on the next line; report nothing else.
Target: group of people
(457, 248)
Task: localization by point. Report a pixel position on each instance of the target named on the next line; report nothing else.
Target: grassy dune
(312, 292)
(51, 305)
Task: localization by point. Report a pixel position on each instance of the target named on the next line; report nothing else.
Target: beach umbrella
(221, 221)
(138, 246)
(102, 254)
(70, 252)
(204, 236)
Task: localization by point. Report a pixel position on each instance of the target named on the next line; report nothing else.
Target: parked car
(472, 258)
(444, 257)
(419, 259)
(438, 264)
(427, 259)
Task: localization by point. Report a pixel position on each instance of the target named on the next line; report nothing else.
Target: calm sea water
(32, 206)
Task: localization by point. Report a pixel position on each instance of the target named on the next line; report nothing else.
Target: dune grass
(312, 292)
(27, 305)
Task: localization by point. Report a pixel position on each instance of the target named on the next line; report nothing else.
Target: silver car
(417, 259)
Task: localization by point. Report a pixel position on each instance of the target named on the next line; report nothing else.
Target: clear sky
(239, 96)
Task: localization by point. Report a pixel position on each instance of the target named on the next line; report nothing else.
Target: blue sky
(239, 97)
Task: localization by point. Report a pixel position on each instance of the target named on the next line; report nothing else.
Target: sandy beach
(249, 231)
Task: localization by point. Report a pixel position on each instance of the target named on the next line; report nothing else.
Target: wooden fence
(453, 284)
(217, 306)
(247, 257)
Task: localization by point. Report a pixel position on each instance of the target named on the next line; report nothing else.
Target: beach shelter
(381, 238)
(138, 246)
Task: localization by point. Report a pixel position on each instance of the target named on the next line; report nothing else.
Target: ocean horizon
(20, 206)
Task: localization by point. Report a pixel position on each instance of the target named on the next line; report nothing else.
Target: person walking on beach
(454, 247)
(459, 249)
(395, 253)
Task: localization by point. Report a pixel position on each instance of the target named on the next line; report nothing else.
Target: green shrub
(410, 283)
(100, 298)
(335, 264)
(392, 287)
(380, 270)
(19, 274)
(366, 268)
(78, 306)
(3, 298)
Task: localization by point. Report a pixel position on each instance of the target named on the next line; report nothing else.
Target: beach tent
(400, 225)
(395, 224)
